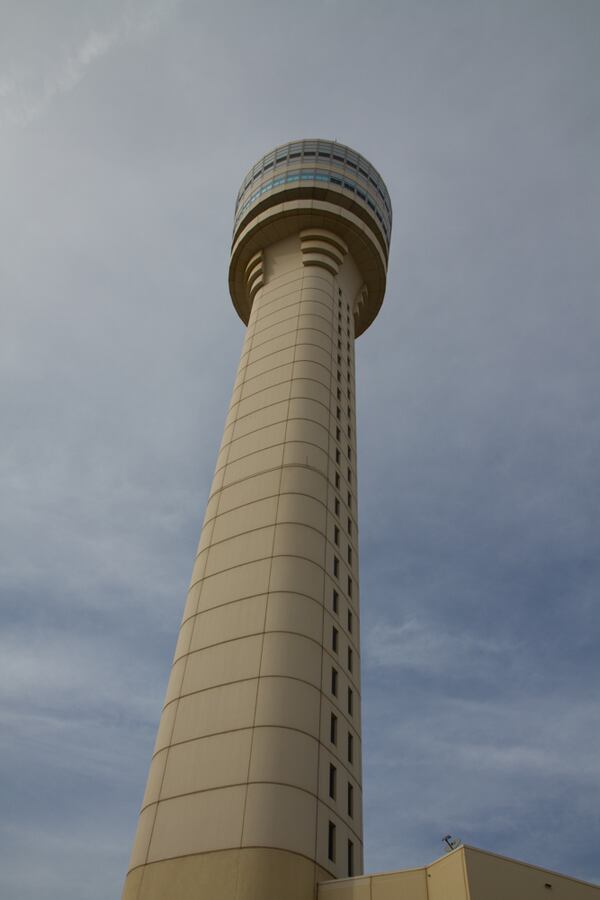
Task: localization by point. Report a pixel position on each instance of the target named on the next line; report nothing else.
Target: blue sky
(126, 131)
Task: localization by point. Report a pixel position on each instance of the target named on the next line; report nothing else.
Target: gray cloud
(127, 128)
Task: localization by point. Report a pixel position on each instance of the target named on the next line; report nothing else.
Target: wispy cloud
(429, 647)
(26, 92)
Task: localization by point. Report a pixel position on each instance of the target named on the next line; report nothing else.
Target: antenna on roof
(452, 842)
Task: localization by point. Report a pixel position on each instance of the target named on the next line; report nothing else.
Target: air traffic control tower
(254, 790)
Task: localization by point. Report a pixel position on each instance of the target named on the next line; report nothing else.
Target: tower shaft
(254, 789)
(261, 723)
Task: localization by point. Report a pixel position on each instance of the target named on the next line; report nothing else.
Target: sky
(125, 131)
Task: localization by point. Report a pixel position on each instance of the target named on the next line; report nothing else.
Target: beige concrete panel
(342, 580)
(197, 823)
(222, 664)
(233, 584)
(155, 776)
(289, 704)
(211, 508)
(205, 536)
(288, 573)
(191, 602)
(264, 349)
(340, 804)
(497, 877)
(283, 258)
(132, 886)
(222, 458)
(277, 288)
(309, 353)
(142, 837)
(332, 659)
(299, 479)
(284, 306)
(283, 756)
(309, 432)
(269, 873)
(299, 540)
(276, 315)
(318, 322)
(257, 441)
(315, 371)
(314, 337)
(296, 613)
(227, 436)
(220, 709)
(278, 816)
(192, 876)
(267, 380)
(231, 415)
(208, 762)
(302, 509)
(184, 639)
(274, 331)
(239, 550)
(267, 459)
(309, 409)
(317, 304)
(320, 279)
(261, 397)
(447, 878)
(400, 885)
(266, 363)
(262, 418)
(258, 487)
(324, 816)
(328, 706)
(175, 680)
(259, 514)
(224, 623)
(165, 728)
(298, 453)
(312, 390)
(350, 889)
(199, 566)
(235, 396)
(289, 296)
(292, 656)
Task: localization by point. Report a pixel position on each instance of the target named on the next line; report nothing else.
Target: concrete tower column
(254, 789)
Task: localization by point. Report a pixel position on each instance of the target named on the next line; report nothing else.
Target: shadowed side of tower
(254, 790)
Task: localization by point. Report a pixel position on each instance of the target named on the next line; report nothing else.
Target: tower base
(249, 873)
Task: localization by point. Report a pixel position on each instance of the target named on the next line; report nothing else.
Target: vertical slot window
(334, 681)
(332, 780)
(350, 798)
(334, 639)
(333, 729)
(331, 842)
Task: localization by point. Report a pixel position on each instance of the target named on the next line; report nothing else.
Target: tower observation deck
(254, 789)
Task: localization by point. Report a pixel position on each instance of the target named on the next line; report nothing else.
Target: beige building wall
(254, 789)
(464, 874)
